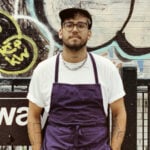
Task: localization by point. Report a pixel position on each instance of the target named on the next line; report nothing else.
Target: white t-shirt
(43, 78)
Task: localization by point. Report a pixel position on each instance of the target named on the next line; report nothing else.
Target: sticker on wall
(18, 52)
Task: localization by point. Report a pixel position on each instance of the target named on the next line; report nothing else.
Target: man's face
(75, 33)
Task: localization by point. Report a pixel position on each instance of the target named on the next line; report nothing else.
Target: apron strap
(56, 68)
(93, 62)
(95, 68)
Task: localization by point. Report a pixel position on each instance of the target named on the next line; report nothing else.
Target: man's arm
(118, 123)
(34, 126)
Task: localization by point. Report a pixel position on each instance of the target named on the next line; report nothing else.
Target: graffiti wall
(28, 32)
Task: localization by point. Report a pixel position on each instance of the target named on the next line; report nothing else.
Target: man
(75, 88)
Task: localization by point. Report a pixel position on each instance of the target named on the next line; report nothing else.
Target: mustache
(75, 36)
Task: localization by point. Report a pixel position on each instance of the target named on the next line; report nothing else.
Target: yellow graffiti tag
(1, 29)
(17, 59)
(10, 48)
(14, 51)
(14, 44)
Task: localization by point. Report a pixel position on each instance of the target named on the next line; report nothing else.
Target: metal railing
(143, 111)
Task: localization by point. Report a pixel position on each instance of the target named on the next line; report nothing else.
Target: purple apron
(76, 118)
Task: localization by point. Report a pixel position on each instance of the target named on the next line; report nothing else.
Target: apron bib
(76, 119)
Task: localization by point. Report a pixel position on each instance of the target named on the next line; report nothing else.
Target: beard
(75, 46)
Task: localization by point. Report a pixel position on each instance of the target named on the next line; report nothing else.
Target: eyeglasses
(81, 26)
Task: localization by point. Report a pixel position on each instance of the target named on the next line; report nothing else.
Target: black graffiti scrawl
(18, 52)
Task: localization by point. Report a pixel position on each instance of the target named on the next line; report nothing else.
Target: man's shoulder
(104, 64)
(101, 59)
(48, 61)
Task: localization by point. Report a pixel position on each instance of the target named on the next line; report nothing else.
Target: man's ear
(60, 34)
(89, 34)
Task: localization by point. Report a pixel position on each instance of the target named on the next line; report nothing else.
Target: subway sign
(13, 121)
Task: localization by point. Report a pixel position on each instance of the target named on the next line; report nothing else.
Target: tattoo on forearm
(117, 131)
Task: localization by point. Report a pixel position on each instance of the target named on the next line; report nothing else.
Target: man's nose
(75, 28)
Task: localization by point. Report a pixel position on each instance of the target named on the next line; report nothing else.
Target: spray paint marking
(18, 52)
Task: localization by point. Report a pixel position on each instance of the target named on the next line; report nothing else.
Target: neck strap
(57, 68)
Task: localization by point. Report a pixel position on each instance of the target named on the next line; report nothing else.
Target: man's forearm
(118, 132)
(35, 135)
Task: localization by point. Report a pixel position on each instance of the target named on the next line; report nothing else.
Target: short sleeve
(34, 94)
(116, 89)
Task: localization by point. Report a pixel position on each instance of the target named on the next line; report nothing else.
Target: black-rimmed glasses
(81, 26)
